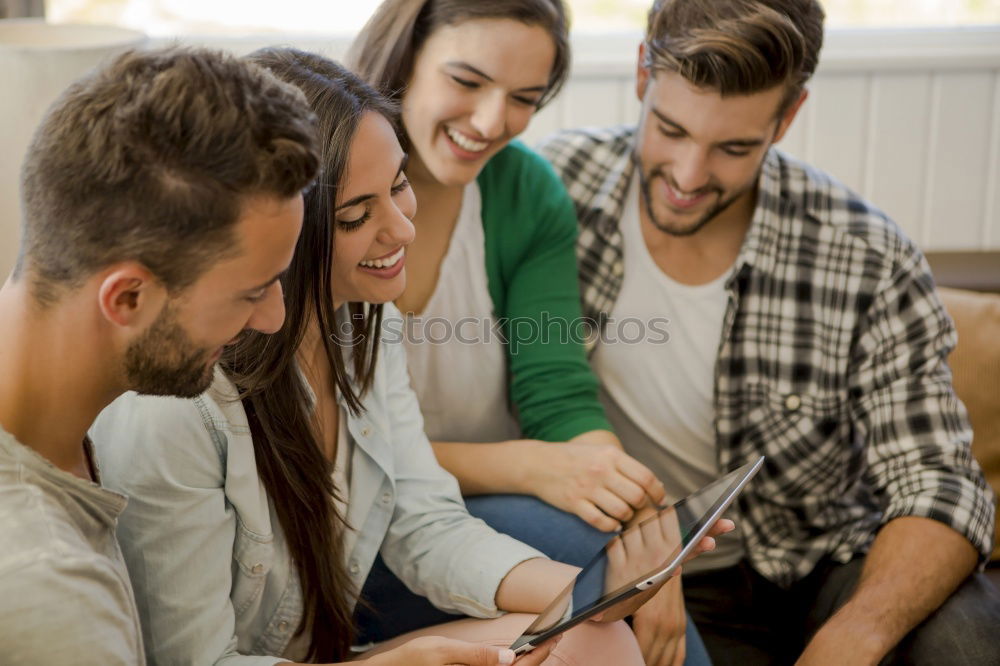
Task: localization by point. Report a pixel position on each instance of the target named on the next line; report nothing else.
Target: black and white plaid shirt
(832, 362)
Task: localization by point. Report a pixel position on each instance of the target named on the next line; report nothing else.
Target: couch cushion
(975, 364)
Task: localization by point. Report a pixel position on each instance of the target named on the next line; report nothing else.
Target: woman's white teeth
(465, 142)
(388, 262)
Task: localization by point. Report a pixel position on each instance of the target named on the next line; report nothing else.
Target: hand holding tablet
(634, 563)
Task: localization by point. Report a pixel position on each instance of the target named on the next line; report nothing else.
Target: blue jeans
(389, 609)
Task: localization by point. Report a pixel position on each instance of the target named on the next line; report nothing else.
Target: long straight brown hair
(290, 460)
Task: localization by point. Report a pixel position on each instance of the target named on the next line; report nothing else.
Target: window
(171, 17)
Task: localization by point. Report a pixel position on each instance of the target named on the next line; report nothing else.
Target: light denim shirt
(65, 596)
(212, 575)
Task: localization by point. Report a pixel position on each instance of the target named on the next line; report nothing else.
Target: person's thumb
(472, 654)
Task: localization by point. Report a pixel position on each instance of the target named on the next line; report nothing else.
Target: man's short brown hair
(738, 47)
(151, 159)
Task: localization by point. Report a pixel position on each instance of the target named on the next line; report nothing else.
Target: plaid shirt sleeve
(916, 429)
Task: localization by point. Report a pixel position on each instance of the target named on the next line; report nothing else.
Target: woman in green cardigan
(492, 303)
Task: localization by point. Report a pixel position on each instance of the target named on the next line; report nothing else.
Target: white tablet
(638, 558)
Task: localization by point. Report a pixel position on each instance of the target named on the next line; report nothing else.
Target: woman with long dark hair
(258, 508)
(509, 400)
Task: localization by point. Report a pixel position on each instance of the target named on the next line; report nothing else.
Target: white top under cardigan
(212, 576)
(455, 350)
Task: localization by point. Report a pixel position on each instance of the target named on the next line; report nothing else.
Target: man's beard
(164, 361)
(647, 196)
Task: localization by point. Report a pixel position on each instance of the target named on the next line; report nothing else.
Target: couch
(975, 362)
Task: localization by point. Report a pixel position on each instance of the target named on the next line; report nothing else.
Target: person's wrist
(603, 437)
(860, 642)
(534, 461)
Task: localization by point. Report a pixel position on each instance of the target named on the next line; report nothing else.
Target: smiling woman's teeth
(465, 142)
(388, 262)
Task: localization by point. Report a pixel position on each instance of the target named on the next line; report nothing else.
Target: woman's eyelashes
(257, 296)
(352, 224)
(401, 185)
(473, 85)
(465, 83)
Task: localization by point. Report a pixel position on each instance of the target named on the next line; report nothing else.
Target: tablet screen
(638, 557)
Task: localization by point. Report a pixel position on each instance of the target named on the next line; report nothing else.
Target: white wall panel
(545, 122)
(991, 217)
(593, 102)
(897, 151)
(840, 126)
(795, 139)
(961, 145)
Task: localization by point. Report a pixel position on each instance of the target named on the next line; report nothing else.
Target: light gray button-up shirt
(65, 596)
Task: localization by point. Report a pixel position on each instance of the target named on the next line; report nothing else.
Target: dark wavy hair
(384, 51)
(290, 460)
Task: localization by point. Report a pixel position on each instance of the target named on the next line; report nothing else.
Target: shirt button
(366, 431)
(792, 402)
(257, 568)
(354, 568)
(386, 497)
(282, 626)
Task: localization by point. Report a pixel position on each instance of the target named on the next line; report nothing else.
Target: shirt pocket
(253, 558)
(809, 438)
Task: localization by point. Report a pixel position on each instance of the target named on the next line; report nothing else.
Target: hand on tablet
(707, 543)
(640, 550)
(593, 478)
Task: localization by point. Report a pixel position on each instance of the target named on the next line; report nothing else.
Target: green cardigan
(530, 227)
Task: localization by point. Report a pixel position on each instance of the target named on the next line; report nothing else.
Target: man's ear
(641, 73)
(130, 296)
(789, 115)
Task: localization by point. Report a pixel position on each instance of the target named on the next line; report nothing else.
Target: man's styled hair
(738, 47)
(385, 50)
(151, 159)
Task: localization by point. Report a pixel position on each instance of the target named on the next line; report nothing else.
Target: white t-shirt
(456, 359)
(656, 361)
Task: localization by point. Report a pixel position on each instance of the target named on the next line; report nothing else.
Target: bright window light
(173, 17)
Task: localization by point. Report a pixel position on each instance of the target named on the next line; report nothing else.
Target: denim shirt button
(257, 568)
(282, 626)
(792, 402)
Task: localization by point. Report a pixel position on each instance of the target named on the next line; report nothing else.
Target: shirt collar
(773, 205)
(105, 504)
(614, 187)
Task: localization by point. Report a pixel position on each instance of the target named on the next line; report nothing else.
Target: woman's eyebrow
(361, 198)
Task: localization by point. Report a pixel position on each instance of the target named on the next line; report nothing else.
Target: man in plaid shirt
(801, 324)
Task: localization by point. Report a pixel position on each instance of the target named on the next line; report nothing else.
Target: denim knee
(562, 536)
(962, 631)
